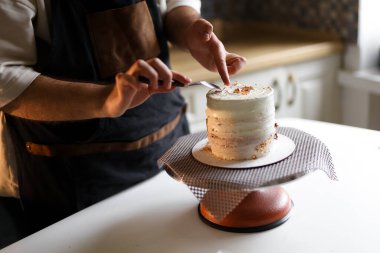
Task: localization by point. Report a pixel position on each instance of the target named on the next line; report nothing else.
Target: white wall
(364, 54)
(360, 80)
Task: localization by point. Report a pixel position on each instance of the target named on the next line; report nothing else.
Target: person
(82, 124)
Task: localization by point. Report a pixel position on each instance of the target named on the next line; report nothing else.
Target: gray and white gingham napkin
(309, 155)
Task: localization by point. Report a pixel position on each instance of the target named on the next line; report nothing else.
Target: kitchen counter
(263, 46)
(160, 215)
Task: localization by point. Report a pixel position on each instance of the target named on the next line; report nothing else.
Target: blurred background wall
(337, 16)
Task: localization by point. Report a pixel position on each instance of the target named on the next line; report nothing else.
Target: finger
(164, 73)
(219, 54)
(143, 68)
(204, 29)
(181, 78)
(234, 63)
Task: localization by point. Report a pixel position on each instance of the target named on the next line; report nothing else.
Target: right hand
(128, 92)
(209, 51)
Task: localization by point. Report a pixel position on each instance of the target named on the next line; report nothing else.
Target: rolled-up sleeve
(195, 4)
(17, 48)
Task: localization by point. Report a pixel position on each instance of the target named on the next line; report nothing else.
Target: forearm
(177, 23)
(50, 99)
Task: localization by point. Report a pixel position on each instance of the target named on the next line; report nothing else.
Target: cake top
(239, 91)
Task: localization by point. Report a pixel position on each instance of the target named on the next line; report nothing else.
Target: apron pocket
(121, 36)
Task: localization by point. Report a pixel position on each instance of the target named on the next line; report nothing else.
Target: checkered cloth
(234, 185)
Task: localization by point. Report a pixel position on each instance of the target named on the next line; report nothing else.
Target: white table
(160, 215)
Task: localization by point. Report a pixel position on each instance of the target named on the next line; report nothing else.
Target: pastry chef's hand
(209, 51)
(129, 92)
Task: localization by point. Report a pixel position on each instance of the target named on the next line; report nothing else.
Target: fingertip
(181, 78)
(223, 72)
(226, 80)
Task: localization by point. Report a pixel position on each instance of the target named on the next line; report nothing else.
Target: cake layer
(229, 149)
(240, 126)
(240, 121)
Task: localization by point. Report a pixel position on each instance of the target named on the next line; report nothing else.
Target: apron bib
(92, 40)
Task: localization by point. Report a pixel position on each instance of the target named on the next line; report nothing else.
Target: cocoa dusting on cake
(262, 147)
(244, 91)
(207, 148)
(275, 136)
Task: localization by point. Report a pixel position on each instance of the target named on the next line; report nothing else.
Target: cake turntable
(246, 199)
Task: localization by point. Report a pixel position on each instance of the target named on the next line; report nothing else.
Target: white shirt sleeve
(17, 53)
(171, 4)
(17, 42)
(17, 48)
(8, 171)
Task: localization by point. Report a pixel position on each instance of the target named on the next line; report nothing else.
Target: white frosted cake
(241, 121)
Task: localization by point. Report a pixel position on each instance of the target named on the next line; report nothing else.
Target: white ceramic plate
(281, 149)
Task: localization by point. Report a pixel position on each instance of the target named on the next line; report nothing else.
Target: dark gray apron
(88, 38)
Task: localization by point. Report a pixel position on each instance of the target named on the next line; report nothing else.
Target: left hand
(128, 92)
(209, 51)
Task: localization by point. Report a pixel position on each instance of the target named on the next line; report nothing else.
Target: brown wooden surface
(263, 46)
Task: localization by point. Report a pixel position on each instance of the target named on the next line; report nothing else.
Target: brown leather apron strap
(94, 148)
